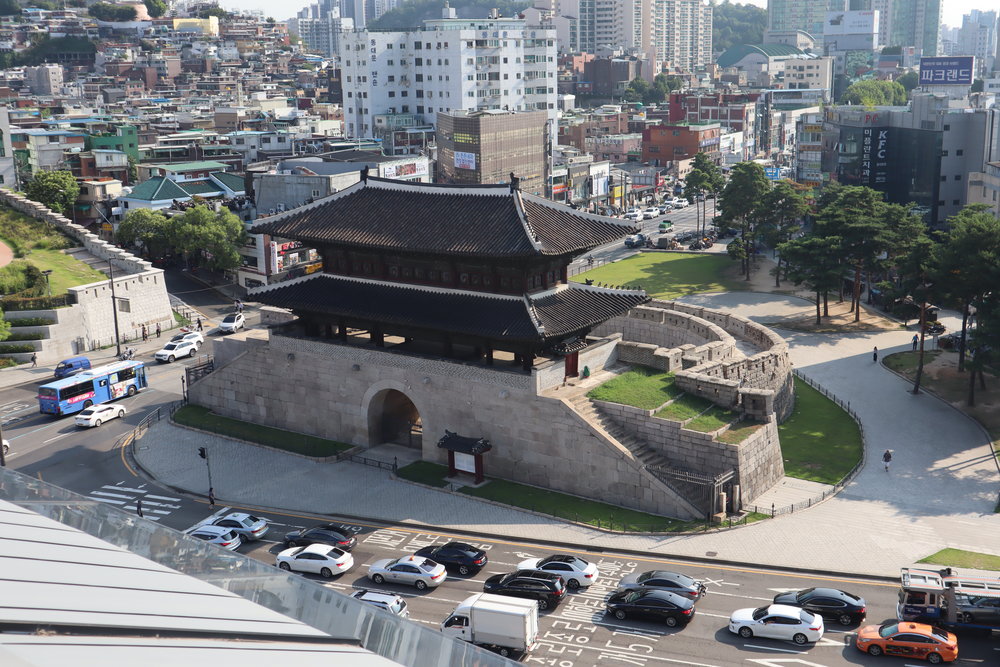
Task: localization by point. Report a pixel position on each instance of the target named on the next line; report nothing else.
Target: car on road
(459, 556)
(650, 213)
(546, 588)
(392, 603)
(192, 336)
(232, 322)
(665, 226)
(247, 526)
(634, 216)
(320, 559)
(664, 208)
(653, 604)
(664, 580)
(577, 572)
(908, 640)
(678, 202)
(830, 603)
(327, 533)
(223, 537)
(172, 351)
(412, 570)
(635, 241)
(777, 621)
(96, 415)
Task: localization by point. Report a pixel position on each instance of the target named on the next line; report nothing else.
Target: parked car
(326, 533)
(575, 571)
(547, 588)
(830, 603)
(934, 328)
(664, 580)
(650, 213)
(223, 537)
(908, 640)
(777, 621)
(232, 322)
(247, 526)
(320, 559)
(412, 570)
(392, 603)
(172, 351)
(653, 604)
(193, 336)
(96, 415)
(464, 558)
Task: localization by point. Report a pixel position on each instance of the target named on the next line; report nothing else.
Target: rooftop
(190, 166)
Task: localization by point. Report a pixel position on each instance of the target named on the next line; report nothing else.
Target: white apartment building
(449, 64)
(682, 33)
(44, 79)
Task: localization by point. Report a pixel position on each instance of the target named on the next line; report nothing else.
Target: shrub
(31, 322)
(7, 362)
(7, 349)
(23, 336)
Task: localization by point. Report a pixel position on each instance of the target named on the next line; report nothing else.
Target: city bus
(97, 385)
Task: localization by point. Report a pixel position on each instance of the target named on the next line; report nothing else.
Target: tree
(10, 8)
(784, 206)
(871, 93)
(734, 24)
(105, 11)
(712, 181)
(147, 229)
(637, 91)
(56, 189)
(812, 260)
(695, 184)
(977, 86)
(916, 266)
(155, 8)
(217, 12)
(741, 202)
(909, 81)
(208, 238)
(892, 51)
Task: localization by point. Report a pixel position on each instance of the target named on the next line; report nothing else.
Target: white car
(321, 559)
(777, 621)
(634, 216)
(677, 202)
(577, 572)
(650, 213)
(230, 323)
(413, 570)
(171, 351)
(188, 336)
(96, 415)
(223, 537)
(392, 603)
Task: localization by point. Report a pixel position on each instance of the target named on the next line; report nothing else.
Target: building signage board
(465, 462)
(947, 71)
(465, 160)
(274, 256)
(874, 156)
(772, 173)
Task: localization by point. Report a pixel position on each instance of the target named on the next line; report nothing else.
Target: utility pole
(114, 307)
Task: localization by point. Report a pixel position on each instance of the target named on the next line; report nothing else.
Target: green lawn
(299, 443)
(907, 362)
(424, 472)
(712, 420)
(684, 407)
(737, 433)
(967, 559)
(819, 442)
(668, 275)
(641, 387)
(67, 271)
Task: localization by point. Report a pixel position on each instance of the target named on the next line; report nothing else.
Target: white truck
(497, 622)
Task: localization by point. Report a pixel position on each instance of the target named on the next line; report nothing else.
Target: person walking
(34, 359)
(211, 497)
(145, 334)
(138, 507)
(157, 329)
(199, 324)
(875, 355)
(914, 341)
(887, 459)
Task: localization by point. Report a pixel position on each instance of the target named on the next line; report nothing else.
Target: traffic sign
(773, 173)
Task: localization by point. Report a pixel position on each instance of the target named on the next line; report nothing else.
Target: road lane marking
(173, 500)
(45, 442)
(737, 595)
(111, 495)
(122, 488)
(611, 652)
(108, 500)
(208, 519)
(771, 648)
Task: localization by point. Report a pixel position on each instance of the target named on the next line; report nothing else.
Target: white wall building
(449, 64)
(681, 33)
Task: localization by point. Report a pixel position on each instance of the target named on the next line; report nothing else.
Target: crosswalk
(154, 507)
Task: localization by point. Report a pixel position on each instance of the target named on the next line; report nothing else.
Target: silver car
(975, 609)
(223, 537)
(245, 525)
(391, 602)
(413, 570)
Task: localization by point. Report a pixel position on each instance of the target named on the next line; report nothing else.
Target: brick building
(670, 142)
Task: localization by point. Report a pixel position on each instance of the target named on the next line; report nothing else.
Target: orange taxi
(909, 640)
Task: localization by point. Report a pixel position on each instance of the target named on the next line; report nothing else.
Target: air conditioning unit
(270, 211)
(281, 208)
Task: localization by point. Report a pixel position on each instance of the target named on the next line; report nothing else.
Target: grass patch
(67, 271)
(641, 387)
(23, 233)
(737, 433)
(967, 559)
(180, 319)
(819, 442)
(309, 445)
(712, 420)
(684, 407)
(577, 509)
(668, 275)
(906, 362)
(424, 472)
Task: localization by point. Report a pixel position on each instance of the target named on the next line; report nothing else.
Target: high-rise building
(450, 63)
(978, 37)
(916, 23)
(320, 29)
(807, 15)
(44, 79)
(681, 33)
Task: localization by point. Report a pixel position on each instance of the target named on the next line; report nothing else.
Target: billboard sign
(772, 173)
(947, 71)
(851, 23)
(465, 160)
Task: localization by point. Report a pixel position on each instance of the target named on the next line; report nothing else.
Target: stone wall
(335, 391)
(89, 323)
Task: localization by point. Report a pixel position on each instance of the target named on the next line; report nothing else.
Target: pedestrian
(875, 355)
(145, 334)
(157, 329)
(34, 359)
(887, 459)
(199, 324)
(914, 341)
(138, 507)
(211, 497)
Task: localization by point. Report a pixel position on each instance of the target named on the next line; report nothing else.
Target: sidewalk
(940, 492)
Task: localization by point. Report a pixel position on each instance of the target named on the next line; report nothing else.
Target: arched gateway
(392, 417)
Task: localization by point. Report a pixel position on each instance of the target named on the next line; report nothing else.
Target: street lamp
(48, 286)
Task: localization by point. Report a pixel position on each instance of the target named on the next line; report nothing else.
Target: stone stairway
(93, 262)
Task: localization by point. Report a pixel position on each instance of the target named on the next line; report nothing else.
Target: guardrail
(374, 463)
(839, 486)
(587, 265)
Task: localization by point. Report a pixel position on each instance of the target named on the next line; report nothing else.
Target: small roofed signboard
(947, 71)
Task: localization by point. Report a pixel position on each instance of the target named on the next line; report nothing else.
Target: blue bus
(97, 385)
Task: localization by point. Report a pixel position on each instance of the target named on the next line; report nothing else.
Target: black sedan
(464, 558)
(326, 533)
(673, 582)
(653, 604)
(830, 603)
(547, 588)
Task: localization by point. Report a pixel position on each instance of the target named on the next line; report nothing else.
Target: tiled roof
(550, 314)
(207, 165)
(200, 187)
(232, 181)
(480, 220)
(157, 188)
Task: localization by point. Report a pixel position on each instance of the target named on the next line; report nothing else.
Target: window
(960, 151)
(947, 128)
(392, 93)
(958, 177)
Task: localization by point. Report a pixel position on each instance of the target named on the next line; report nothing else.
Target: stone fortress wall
(89, 322)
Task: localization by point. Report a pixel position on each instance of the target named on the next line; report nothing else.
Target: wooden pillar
(377, 336)
(328, 330)
(489, 355)
(479, 468)
(527, 359)
(451, 464)
(342, 330)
